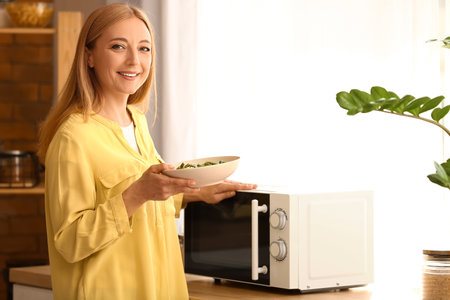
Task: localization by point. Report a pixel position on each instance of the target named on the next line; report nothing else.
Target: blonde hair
(80, 92)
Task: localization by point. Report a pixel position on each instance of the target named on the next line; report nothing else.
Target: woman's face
(121, 58)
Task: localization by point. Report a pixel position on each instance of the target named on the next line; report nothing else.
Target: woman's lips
(129, 75)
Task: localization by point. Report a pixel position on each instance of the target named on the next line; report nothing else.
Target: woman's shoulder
(71, 133)
(75, 124)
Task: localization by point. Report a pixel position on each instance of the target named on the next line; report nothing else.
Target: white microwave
(311, 242)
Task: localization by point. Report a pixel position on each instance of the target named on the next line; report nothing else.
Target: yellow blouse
(96, 251)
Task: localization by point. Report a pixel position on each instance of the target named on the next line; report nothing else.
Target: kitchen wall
(27, 90)
(26, 87)
(85, 6)
(26, 93)
(23, 239)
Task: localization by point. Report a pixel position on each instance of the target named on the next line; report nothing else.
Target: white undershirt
(128, 132)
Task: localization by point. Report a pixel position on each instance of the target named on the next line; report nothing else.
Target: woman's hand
(216, 193)
(153, 185)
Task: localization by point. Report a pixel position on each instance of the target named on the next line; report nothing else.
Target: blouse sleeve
(81, 227)
(178, 203)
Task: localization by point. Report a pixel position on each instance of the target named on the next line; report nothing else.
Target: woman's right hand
(153, 185)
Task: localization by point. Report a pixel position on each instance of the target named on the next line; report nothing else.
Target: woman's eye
(145, 49)
(117, 47)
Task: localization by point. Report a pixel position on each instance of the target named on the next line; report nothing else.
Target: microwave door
(218, 238)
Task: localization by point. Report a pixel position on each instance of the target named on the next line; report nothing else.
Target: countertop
(202, 288)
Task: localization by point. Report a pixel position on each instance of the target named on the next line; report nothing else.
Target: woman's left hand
(215, 193)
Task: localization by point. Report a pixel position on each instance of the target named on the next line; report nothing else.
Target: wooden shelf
(38, 190)
(22, 30)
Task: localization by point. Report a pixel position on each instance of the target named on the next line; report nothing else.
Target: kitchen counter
(202, 288)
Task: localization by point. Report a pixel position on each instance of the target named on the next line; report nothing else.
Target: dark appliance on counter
(19, 169)
(310, 243)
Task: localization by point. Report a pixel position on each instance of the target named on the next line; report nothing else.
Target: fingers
(161, 186)
(241, 185)
(156, 169)
(183, 185)
(182, 189)
(167, 186)
(227, 189)
(223, 196)
(229, 185)
(180, 182)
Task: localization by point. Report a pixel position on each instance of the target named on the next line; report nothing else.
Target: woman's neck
(116, 111)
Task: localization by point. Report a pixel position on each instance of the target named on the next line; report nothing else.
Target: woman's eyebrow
(125, 40)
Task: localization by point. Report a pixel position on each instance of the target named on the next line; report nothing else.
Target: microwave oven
(310, 242)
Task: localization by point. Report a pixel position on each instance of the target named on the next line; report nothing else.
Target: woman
(109, 210)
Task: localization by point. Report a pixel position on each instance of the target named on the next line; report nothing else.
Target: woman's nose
(133, 57)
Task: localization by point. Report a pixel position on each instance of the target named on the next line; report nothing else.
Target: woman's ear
(90, 57)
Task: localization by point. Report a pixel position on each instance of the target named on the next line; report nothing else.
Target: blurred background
(258, 79)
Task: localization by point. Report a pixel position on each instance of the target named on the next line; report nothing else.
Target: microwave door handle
(256, 270)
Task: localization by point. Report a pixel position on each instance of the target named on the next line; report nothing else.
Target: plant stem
(420, 118)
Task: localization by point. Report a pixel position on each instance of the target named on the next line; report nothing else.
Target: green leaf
(414, 106)
(346, 101)
(389, 104)
(370, 107)
(441, 177)
(440, 171)
(378, 92)
(352, 112)
(438, 113)
(400, 108)
(361, 98)
(446, 166)
(435, 179)
(393, 95)
(432, 103)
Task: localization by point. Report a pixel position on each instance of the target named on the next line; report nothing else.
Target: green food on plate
(192, 166)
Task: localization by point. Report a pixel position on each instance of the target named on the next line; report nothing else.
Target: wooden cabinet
(69, 26)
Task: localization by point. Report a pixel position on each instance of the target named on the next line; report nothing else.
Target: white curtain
(174, 132)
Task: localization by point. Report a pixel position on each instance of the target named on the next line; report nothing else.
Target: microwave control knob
(278, 219)
(278, 250)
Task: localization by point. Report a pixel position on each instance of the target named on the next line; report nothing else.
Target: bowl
(30, 14)
(206, 175)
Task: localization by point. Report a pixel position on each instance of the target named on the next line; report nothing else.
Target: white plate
(208, 175)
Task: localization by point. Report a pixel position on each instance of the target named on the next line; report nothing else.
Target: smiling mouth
(130, 75)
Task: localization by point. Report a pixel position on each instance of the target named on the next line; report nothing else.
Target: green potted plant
(381, 100)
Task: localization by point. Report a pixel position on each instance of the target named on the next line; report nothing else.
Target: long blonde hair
(80, 92)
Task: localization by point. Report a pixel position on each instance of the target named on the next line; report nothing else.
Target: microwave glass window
(218, 237)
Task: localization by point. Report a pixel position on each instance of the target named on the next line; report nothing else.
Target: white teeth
(128, 74)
